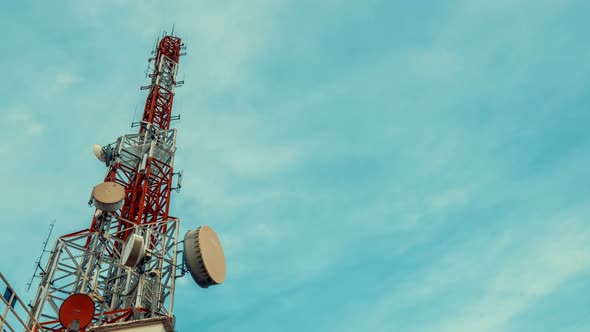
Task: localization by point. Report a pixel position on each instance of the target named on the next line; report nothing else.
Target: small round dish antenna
(134, 251)
(203, 257)
(108, 196)
(99, 152)
(76, 310)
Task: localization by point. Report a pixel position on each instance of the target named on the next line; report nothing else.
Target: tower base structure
(157, 324)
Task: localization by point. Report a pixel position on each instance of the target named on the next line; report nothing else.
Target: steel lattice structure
(89, 261)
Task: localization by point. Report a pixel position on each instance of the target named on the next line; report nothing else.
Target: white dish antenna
(203, 257)
(134, 251)
(108, 196)
(99, 152)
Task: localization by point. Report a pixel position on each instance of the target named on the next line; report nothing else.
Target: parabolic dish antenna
(99, 152)
(134, 251)
(108, 196)
(77, 307)
(203, 257)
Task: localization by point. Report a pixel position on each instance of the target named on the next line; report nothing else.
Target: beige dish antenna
(134, 251)
(108, 196)
(99, 152)
(203, 257)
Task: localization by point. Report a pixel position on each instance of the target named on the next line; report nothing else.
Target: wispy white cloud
(450, 197)
(64, 79)
(249, 151)
(35, 129)
(482, 284)
(434, 63)
(527, 274)
(21, 121)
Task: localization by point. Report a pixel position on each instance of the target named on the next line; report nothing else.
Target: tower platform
(157, 324)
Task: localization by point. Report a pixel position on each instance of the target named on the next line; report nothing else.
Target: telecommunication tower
(120, 272)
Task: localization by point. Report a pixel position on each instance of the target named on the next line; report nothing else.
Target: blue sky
(368, 166)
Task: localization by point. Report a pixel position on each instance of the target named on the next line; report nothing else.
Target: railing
(11, 320)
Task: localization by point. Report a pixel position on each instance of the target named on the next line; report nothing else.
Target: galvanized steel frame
(96, 270)
(88, 261)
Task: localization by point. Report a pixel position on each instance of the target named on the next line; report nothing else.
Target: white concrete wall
(145, 325)
(150, 328)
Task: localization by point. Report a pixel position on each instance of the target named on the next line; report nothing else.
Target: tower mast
(123, 267)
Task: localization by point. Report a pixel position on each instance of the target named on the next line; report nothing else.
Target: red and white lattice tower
(124, 266)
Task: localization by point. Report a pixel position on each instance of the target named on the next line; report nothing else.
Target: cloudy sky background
(369, 165)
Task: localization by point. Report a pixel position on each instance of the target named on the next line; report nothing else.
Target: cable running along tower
(120, 272)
